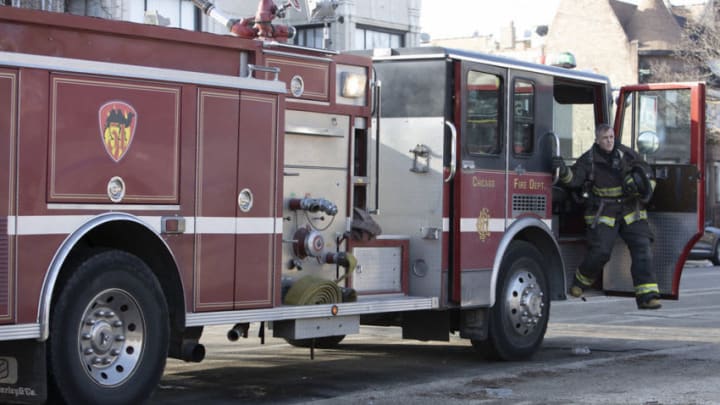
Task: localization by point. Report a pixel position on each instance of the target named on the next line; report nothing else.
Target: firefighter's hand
(559, 163)
(630, 187)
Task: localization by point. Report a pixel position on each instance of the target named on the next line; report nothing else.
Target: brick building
(628, 42)
(622, 40)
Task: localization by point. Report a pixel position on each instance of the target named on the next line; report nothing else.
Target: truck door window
(483, 126)
(574, 116)
(664, 113)
(523, 117)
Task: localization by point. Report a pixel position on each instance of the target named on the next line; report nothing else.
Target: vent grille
(524, 204)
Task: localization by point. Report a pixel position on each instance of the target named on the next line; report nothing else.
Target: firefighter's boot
(648, 301)
(580, 283)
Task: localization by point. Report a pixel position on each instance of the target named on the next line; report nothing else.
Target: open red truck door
(665, 123)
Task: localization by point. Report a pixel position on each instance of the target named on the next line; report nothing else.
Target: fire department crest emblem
(483, 224)
(118, 121)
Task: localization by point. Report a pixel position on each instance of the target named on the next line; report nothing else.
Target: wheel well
(554, 271)
(134, 238)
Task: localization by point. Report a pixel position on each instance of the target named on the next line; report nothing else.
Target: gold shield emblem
(118, 120)
(483, 224)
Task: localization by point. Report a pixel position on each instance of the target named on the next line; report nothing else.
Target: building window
(310, 36)
(167, 13)
(91, 8)
(171, 13)
(370, 38)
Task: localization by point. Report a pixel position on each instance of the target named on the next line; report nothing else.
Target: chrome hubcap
(110, 337)
(524, 302)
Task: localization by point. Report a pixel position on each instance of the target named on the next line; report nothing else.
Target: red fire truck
(158, 180)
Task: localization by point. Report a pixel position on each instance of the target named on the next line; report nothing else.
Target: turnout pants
(601, 240)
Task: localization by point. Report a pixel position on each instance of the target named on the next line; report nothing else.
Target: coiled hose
(311, 290)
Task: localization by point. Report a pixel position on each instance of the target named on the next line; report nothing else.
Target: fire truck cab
(463, 167)
(158, 180)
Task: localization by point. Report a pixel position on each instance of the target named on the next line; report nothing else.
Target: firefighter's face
(606, 140)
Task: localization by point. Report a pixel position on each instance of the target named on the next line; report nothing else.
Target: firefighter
(617, 184)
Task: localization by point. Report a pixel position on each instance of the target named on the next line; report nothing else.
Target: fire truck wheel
(326, 342)
(519, 318)
(108, 332)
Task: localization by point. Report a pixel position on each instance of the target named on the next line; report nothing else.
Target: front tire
(519, 318)
(108, 332)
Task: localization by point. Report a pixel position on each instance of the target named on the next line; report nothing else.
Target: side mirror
(648, 142)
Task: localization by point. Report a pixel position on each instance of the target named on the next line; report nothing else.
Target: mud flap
(23, 376)
(426, 325)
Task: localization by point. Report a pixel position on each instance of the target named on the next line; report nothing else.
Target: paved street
(670, 356)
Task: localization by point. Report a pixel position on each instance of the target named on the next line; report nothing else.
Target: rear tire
(108, 332)
(519, 318)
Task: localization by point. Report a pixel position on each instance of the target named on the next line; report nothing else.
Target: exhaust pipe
(193, 352)
(237, 331)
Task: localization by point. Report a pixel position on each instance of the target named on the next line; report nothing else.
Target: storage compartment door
(8, 112)
(257, 242)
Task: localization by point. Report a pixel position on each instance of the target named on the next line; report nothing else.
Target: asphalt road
(599, 351)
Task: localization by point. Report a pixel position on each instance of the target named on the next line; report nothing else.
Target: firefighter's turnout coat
(601, 177)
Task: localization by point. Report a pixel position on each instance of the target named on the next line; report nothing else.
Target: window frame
(528, 148)
(378, 30)
(475, 128)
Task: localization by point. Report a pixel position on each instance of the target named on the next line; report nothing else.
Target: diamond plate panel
(379, 269)
(672, 232)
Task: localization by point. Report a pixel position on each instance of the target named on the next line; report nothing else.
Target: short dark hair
(601, 129)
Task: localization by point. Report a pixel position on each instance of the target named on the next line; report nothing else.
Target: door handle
(556, 175)
(453, 151)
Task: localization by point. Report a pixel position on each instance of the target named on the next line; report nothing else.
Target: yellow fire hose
(311, 290)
